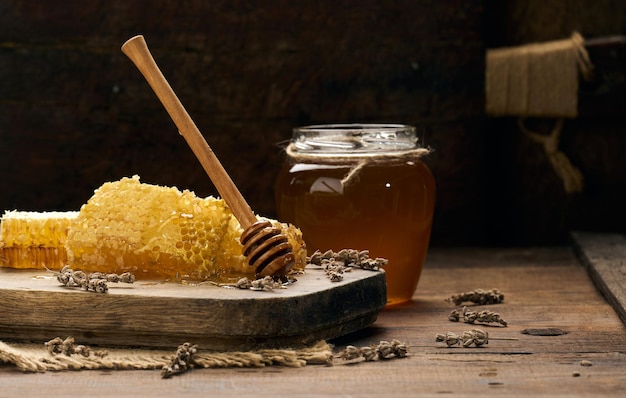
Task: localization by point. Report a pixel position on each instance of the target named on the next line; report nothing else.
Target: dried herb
(243, 283)
(267, 284)
(484, 316)
(96, 282)
(478, 296)
(382, 350)
(69, 347)
(474, 337)
(181, 361)
(336, 264)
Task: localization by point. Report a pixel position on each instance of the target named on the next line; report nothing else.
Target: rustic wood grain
(74, 113)
(155, 314)
(543, 287)
(604, 255)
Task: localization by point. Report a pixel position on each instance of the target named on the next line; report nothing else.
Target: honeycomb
(161, 232)
(28, 238)
(152, 231)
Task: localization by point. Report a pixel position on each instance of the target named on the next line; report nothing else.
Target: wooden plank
(604, 255)
(543, 287)
(153, 314)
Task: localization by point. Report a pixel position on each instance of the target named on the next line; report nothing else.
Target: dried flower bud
(127, 277)
(335, 276)
(67, 347)
(369, 353)
(350, 353)
(98, 285)
(54, 345)
(480, 337)
(82, 350)
(267, 284)
(384, 350)
(454, 316)
(400, 349)
(449, 338)
(181, 361)
(243, 283)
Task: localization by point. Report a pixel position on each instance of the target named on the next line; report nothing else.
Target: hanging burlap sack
(540, 80)
(536, 80)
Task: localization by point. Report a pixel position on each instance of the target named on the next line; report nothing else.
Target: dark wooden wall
(528, 204)
(75, 112)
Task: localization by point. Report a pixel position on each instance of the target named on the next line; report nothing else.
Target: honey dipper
(266, 247)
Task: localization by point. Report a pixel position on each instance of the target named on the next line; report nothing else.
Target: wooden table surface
(543, 287)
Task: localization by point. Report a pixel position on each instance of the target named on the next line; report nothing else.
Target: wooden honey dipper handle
(137, 50)
(266, 248)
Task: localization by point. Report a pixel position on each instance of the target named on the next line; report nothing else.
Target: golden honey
(361, 187)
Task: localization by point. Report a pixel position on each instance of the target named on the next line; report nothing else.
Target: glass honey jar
(364, 187)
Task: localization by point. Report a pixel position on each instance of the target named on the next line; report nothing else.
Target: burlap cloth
(537, 80)
(540, 80)
(36, 358)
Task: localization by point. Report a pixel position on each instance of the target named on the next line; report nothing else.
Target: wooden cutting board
(35, 307)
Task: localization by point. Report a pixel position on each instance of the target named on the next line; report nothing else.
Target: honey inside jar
(365, 193)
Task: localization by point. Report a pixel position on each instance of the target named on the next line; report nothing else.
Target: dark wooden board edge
(127, 318)
(604, 257)
(160, 340)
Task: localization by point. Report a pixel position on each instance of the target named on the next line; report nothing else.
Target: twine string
(573, 180)
(35, 358)
(582, 56)
(357, 161)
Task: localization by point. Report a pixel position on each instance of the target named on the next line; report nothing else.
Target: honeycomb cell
(130, 226)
